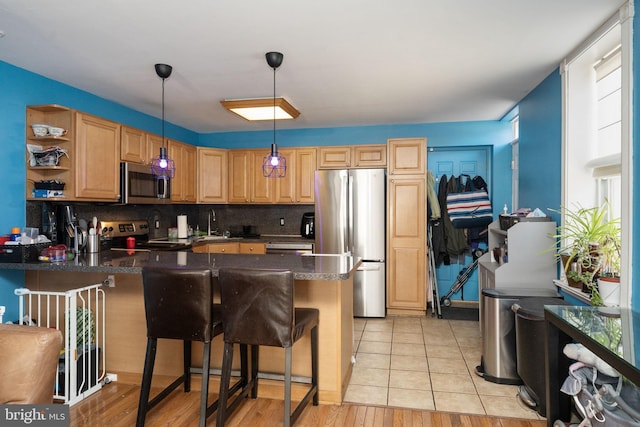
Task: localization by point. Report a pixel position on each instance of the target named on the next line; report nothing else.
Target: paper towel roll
(182, 227)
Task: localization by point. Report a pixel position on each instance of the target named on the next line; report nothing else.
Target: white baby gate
(80, 315)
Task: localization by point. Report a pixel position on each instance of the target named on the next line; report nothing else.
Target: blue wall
(540, 177)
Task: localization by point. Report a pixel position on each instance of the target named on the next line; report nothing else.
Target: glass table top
(613, 328)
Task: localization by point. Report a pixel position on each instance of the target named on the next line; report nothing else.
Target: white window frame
(623, 18)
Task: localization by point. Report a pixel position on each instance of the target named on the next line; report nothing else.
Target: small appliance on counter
(307, 225)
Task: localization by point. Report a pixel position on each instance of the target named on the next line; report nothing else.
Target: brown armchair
(28, 363)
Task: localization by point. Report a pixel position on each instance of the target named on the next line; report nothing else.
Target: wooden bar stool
(179, 305)
(257, 309)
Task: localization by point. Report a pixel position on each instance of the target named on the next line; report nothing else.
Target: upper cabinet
(297, 185)
(352, 156)
(50, 168)
(183, 184)
(369, 156)
(248, 185)
(407, 156)
(212, 175)
(97, 158)
(138, 146)
(133, 145)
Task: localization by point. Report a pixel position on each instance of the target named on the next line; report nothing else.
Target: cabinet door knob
(223, 249)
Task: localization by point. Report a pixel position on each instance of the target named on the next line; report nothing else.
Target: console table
(608, 332)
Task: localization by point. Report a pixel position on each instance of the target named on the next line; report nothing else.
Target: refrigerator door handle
(350, 236)
(369, 266)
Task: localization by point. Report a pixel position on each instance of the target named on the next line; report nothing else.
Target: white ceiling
(346, 62)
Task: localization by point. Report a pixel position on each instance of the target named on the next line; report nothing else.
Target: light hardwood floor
(116, 405)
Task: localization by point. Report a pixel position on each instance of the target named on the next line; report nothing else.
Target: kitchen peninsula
(323, 282)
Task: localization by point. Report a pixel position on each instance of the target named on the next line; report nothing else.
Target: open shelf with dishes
(49, 135)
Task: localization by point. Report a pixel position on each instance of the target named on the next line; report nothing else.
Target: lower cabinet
(231, 248)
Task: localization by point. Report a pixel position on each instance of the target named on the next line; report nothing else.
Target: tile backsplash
(265, 218)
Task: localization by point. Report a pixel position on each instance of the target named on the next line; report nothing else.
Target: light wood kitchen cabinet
(297, 185)
(239, 185)
(407, 156)
(154, 143)
(406, 228)
(246, 182)
(369, 156)
(212, 175)
(133, 145)
(183, 184)
(97, 158)
(218, 248)
(59, 116)
(262, 188)
(252, 248)
(352, 156)
(334, 157)
(138, 146)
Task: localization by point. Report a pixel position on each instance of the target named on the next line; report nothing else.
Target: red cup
(131, 242)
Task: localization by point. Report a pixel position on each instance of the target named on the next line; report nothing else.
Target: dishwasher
(289, 248)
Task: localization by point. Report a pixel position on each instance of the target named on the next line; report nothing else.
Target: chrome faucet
(212, 218)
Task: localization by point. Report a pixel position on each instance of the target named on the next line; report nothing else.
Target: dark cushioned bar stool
(257, 309)
(179, 305)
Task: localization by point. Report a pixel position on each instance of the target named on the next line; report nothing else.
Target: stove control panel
(124, 228)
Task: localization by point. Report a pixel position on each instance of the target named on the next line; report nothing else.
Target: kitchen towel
(182, 227)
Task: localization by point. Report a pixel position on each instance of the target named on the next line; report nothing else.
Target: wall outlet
(2, 310)
(110, 378)
(282, 222)
(157, 224)
(110, 281)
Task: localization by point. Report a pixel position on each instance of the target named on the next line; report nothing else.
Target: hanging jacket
(455, 237)
(438, 237)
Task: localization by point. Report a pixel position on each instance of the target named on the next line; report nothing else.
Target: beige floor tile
(411, 328)
(408, 349)
(474, 342)
(374, 347)
(415, 399)
(370, 376)
(379, 325)
(472, 353)
(458, 402)
(507, 407)
(377, 336)
(413, 380)
(409, 363)
(471, 366)
(444, 351)
(366, 395)
(445, 339)
(488, 388)
(373, 360)
(447, 366)
(462, 332)
(453, 383)
(407, 338)
(358, 324)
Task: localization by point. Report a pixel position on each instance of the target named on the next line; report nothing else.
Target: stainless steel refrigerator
(350, 218)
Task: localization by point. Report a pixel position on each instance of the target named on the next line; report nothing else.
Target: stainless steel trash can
(498, 362)
(530, 354)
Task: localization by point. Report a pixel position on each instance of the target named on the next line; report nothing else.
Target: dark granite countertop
(311, 267)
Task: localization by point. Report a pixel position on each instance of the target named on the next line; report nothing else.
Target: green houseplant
(589, 245)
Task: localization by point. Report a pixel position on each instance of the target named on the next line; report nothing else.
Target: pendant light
(162, 167)
(273, 164)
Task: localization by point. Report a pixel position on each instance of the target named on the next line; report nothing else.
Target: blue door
(455, 161)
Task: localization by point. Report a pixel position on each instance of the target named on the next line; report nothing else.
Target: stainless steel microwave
(139, 186)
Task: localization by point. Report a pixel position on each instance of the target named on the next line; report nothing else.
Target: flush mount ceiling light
(162, 166)
(261, 108)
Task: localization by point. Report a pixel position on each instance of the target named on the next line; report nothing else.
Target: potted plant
(589, 246)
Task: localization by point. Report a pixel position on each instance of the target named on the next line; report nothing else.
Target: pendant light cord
(163, 112)
(274, 105)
